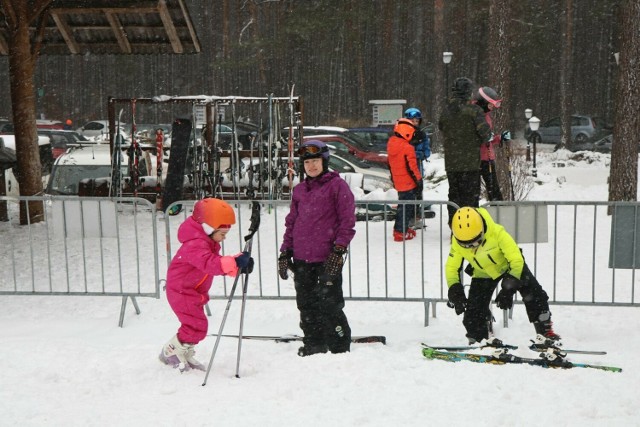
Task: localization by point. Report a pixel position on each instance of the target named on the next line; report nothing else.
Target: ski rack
(271, 177)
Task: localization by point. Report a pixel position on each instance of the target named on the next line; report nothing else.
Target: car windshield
(65, 179)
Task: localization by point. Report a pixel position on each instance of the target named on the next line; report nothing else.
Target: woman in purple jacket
(191, 273)
(319, 227)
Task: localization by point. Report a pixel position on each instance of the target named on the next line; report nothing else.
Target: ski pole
(255, 223)
(243, 305)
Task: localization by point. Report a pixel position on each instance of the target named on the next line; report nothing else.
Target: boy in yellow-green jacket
(493, 256)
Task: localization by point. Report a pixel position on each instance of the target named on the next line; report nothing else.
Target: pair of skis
(290, 338)
(549, 357)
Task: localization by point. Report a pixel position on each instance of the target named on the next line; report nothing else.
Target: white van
(46, 159)
(91, 162)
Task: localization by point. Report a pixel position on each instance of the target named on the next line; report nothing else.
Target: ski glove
(457, 298)
(244, 262)
(285, 262)
(419, 187)
(505, 136)
(334, 262)
(504, 299)
(510, 286)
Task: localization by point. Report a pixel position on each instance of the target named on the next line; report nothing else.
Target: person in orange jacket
(405, 175)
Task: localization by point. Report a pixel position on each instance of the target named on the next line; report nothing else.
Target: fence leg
(505, 318)
(123, 307)
(134, 301)
(426, 312)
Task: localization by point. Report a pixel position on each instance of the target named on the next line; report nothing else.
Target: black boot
(308, 350)
(544, 327)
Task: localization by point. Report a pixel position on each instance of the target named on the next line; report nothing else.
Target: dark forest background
(342, 53)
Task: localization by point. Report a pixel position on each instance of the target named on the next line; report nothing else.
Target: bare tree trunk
(440, 92)
(565, 77)
(500, 79)
(623, 182)
(21, 74)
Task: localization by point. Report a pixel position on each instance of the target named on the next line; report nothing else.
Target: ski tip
(370, 339)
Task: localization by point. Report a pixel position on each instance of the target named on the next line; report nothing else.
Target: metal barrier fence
(583, 253)
(580, 254)
(84, 246)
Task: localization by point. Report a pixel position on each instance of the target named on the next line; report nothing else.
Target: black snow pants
(477, 316)
(464, 190)
(322, 318)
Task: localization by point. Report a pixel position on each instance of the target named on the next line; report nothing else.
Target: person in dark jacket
(318, 229)
(405, 175)
(464, 129)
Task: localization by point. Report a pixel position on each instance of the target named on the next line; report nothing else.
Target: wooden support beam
(176, 44)
(192, 31)
(65, 30)
(4, 47)
(119, 32)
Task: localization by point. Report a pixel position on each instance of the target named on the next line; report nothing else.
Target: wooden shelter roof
(115, 27)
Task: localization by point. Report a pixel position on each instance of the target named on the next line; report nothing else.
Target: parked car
(342, 144)
(8, 142)
(603, 145)
(583, 128)
(336, 130)
(374, 177)
(375, 137)
(61, 140)
(245, 134)
(49, 124)
(5, 126)
(80, 163)
(99, 129)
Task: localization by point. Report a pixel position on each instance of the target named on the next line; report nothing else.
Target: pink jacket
(486, 150)
(196, 262)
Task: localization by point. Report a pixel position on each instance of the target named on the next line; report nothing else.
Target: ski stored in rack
(503, 358)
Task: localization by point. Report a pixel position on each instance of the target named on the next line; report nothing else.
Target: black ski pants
(322, 318)
(464, 190)
(477, 316)
(490, 178)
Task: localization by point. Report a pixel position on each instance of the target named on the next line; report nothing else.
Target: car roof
(9, 141)
(372, 129)
(87, 155)
(326, 136)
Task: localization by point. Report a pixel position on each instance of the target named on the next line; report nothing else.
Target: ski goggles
(470, 244)
(310, 150)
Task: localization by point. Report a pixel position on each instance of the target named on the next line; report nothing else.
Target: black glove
(504, 299)
(334, 262)
(285, 262)
(418, 137)
(419, 187)
(510, 286)
(457, 298)
(244, 262)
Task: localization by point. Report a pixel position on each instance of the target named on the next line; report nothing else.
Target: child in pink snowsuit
(191, 273)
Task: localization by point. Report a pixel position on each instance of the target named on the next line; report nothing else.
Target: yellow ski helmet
(467, 226)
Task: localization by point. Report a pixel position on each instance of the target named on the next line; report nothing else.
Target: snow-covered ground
(66, 362)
